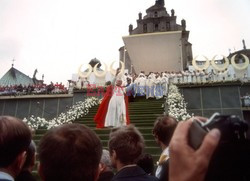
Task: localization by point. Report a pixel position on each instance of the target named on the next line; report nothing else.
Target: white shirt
(6, 176)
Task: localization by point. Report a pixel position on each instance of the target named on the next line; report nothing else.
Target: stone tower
(159, 20)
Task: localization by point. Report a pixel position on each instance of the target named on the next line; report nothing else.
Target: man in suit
(163, 130)
(69, 152)
(126, 145)
(15, 138)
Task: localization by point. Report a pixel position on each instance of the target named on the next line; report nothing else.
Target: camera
(231, 159)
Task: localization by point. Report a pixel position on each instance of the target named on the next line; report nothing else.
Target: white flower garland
(77, 111)
(176, 104)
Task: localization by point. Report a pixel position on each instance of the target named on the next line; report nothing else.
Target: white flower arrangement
(176, 104)
(77, 111)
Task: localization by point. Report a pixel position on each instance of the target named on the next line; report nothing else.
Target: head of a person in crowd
(15, 138)
(146, 162)
(141, 75)
(31, 157)
(108, 83)
(126, 145)
(119, 82)
(163, 130)
(128, 80)
(69, 152)
(105, 163)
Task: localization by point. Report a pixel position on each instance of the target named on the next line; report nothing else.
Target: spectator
(15, 137)
(146, 162)
(69, 152)
(106, 172)
(126, 145)
(186, 163)
(25, 174)
(163, 130)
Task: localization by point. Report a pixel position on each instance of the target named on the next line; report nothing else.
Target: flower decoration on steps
(77, 111)
(176, 104)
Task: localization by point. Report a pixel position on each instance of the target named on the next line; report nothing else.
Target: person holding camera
(187, 164)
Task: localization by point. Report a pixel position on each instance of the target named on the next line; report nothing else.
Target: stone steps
(143, 114)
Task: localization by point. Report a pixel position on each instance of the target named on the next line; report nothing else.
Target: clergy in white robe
(189, 77)
(164, 83)
(194, 79)
(220, 76)
(140, 84)
(150, 86)
(158, 92)
(175, 78)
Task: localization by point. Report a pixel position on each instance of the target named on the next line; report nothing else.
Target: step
(142, 111)
(148, 143)
(132, 117)
(146, 136)
(85, 121)
(151, 150)
(102, 131)
(137, 124)
(107, 130)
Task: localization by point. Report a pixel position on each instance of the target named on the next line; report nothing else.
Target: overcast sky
(57, 36)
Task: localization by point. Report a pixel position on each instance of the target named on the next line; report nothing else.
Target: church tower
(159, 20)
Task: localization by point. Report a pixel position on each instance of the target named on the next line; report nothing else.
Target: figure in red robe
(104, 107)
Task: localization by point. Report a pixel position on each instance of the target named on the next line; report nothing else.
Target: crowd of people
(74, 152)
(17, 90)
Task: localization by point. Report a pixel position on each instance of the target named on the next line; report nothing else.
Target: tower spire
(13, 62)
(244, 44)
(160, 2)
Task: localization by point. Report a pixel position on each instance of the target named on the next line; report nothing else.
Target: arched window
(156, 14)
(156, 27)
(168, 26)
(145, 28)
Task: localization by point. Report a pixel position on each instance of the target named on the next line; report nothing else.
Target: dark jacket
(164, 171)
(25, 176)
(133, 173)
(106, 176)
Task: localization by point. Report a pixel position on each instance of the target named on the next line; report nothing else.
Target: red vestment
(103, 108)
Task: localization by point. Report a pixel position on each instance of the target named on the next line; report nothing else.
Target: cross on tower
(13, 62)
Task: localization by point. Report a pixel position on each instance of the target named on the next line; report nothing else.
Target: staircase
(142, 113)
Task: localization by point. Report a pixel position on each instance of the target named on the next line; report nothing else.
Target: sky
(57, 36)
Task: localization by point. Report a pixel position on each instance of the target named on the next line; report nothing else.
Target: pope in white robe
(116, 114)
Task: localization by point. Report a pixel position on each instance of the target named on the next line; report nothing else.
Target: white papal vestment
(116, 115)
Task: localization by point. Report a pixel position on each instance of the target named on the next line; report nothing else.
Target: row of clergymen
(183, 77)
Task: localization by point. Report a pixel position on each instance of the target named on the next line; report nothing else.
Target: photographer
(187, 164)
(216, 150)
